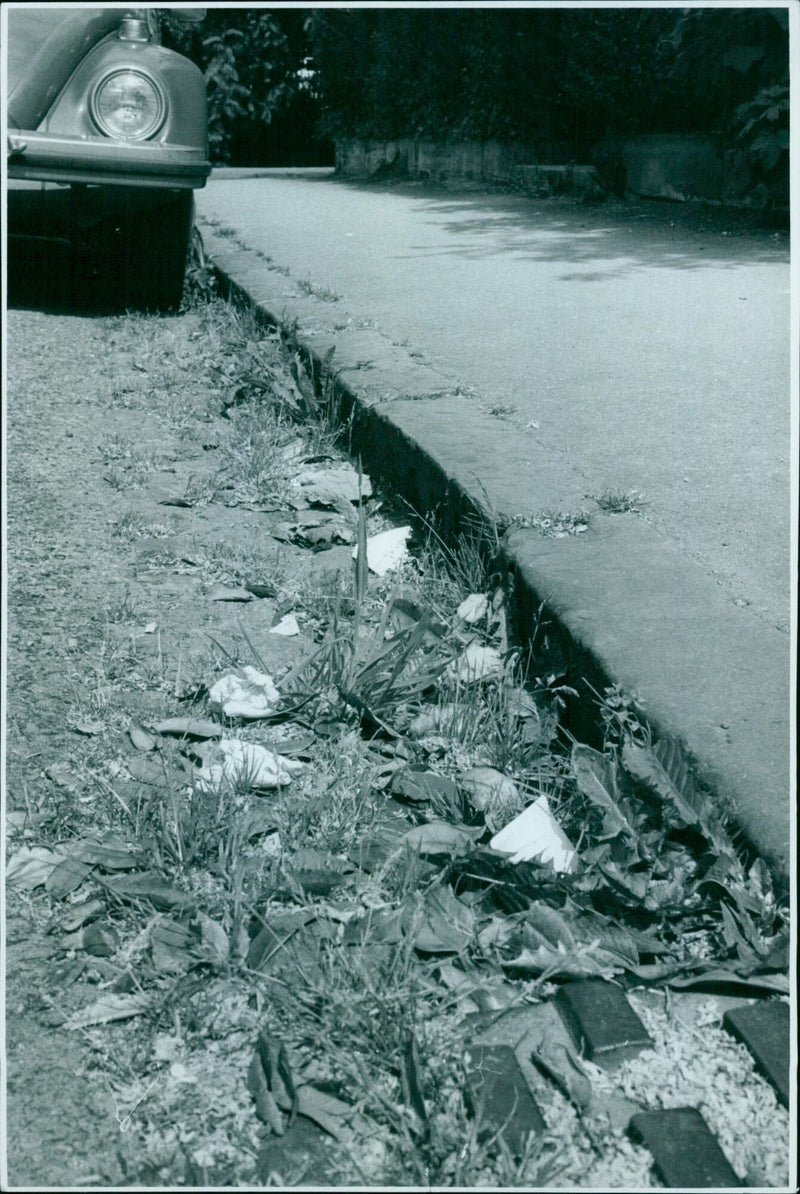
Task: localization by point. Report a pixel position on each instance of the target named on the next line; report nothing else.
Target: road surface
(642, 354)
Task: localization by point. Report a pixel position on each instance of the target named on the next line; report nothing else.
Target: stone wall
(659, 166)
(436, 161)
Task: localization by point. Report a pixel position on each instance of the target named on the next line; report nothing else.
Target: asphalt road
(641, 351)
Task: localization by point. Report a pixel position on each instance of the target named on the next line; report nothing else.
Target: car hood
(44, 47)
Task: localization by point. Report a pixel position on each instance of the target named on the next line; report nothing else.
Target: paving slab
(765, 1029)
(685, 1152)
(672, 603)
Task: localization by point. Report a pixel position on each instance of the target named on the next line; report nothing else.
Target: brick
(602, 1023)
(497, 1091)
(765, 1029)
(685, 1152)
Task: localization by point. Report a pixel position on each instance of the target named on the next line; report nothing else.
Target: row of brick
(606, 1030)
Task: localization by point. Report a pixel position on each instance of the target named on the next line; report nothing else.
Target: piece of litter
(535, 835)
(249, 764)
(532, 423)
(226, 593)
(150, 628)
(244, 693)
(334, 487)
(473, 608)
(476, 663)
(287, 626)
(386, 550)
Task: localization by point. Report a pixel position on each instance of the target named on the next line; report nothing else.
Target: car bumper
(45, 157)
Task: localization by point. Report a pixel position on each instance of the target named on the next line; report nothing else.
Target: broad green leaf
(596, 777)
(439, 837)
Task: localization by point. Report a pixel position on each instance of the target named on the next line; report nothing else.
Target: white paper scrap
(287, 626)
(248, 763)
(386, 550)
(536, 836)
(245, 693)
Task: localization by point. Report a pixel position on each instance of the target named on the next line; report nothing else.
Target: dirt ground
(153, 540)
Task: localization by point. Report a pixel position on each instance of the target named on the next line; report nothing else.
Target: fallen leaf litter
(199, 1077)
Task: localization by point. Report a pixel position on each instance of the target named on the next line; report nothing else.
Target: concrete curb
(623, 605)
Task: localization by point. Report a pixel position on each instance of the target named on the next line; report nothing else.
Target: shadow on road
(617, 236)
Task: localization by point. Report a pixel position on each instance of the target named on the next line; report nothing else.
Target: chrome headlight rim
(106, 129)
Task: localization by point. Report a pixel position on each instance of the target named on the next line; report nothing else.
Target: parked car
(107, 139)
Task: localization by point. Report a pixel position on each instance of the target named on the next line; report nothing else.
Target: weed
(618, 501)
(321, 292)
(555, 524)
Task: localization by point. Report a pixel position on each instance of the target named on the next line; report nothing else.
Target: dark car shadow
(49, 276)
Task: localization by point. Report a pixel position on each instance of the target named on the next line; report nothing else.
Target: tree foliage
(250, 59)
(550, 76)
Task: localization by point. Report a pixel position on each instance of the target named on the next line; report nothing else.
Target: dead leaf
(110, 855)
(559, 1064)
(439, 922)
(101, 941)
(66, 877)
(77, 916)
(148, 885)
(140, 738)
(335, 488)
(440, 837)
(476, 663)
(109, 1007)
(31, 866)
(89, 728)
(189, 727)
(473, 608)
(227, 593)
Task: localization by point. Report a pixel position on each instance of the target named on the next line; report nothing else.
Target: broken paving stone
(246, 693)
(601, 1021)
(765, 1029)
(536, 836)
(686, 1154)
(497, 1094)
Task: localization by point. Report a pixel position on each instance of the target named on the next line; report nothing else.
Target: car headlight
(128, 104)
